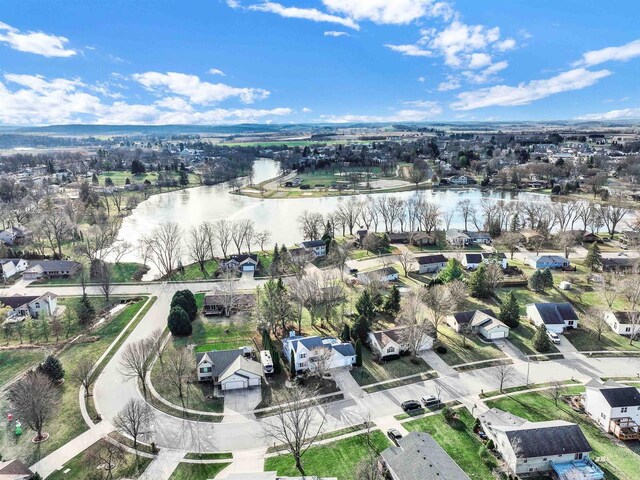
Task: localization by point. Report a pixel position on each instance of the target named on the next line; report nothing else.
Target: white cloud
(216, 71)
(333, 33)
(306, 110)
(410, 50)
(624, 113)
(39, 43)
(487, 74)
(452, 83)
(408, 115)
(479, 60)
(619, 54)
(196, 90)
(397, 12)
(421, 79)
(35, 100)
(459, 38)
(423, 104)
(304, 13)
(525, 93)
(506, 44)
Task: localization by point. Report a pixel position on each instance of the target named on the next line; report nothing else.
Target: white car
(554, 337)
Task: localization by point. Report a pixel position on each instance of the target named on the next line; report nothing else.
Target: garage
(248, 268)
(233, 385)
(494, 331)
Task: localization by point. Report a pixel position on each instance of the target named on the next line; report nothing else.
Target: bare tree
(419, 172)
(510, 241)
(96, 241)
(437, 299)
(494, 276)
(504, 373)
(158, 343)
(349, 212)
(448, 218)
(556, 390)
(135, 361)
(609, 288)
(222, 232)
(369, 468)
(83, 374)
(134, 420)
(105, 279)
(613, 213)
(407, 260)
(107, 456)
(262, 238)
(414, 320)
(35, 400)
(295, 423)
(466, 209)
(163, 246)
(310, 224)
(177, 370)
(597, 321)
(320, 361)
(458, 294)
(198, 246)
(120, 249)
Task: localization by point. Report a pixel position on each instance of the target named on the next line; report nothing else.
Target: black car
(411, 405)
(394, 435)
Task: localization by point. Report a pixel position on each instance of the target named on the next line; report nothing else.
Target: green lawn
(623, 459)
(193, 272)
(12, 362)
(336, 459)
(68, 422)
(526, 296)
(124, 272)
(85, 465)
(522, 337)
(219, 333)
(373, 372)
(475, 349)
(585, 339)
(460, 443)
(197, 471)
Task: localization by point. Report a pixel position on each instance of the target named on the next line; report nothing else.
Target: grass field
(121, 273)
(475, 350)
(193, 272)
(12, 362)
(522, 337)
(460, 443)
(585, 339)
(197, 471)
(623, 460)
(336, 459)
(373, 372)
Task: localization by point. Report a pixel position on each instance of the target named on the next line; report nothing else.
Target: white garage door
(248, 268)
(232, 385)
(495, 335)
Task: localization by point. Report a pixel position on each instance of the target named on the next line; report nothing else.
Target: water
(193, 206)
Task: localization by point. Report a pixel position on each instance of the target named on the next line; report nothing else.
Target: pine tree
(266, 339)
(360, 329)
(345, 336)
(536, 282)
(452, 271)
(85, 310)
(358, 353)
(292, 365)
(392, 302)
(510, 311)
(541, 340)
(275, 261)
(478, 285)
(593, 261)
(178, 322)
(187, 300)
(275, 358)
(365, 307)
(547, 279)
(52, 368)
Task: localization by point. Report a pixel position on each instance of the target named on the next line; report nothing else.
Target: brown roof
(14, 470)
(384, 337)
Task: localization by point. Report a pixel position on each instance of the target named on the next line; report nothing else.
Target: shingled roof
(546, 439)
(621, 396)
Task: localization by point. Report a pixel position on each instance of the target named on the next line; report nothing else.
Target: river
(193, 206)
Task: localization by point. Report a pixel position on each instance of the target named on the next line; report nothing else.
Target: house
(12, 266)
(318, 247)
(419, 457)
(548, 261)
(246, 262)
(471, 261)
(14, 470)
(481, 322)
(431, 263)
(33, 306)
(630, 238)
(419, 239)
(390, 343)
(228, 369)
(590, 237)
(531, 448)
(389, 274)
(624, 323)
(361, 234)
(457, 238)
(41, 269)
(615, 408)
(222, 302)
(461, 180)
(479, 237)
(315, 352)
(556, 317)
(618, 264)
(14, 235)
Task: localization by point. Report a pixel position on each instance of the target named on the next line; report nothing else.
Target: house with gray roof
(556, 317)
(40, 269)
(24, 306)
(481, 322)
(392, 342)
(14, 470)
(229, 369)
(310, 353)
(431, 263)
(317, 247)
(12, 266)
(419, 457)
(615, 408)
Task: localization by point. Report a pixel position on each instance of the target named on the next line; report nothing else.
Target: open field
(121, 273)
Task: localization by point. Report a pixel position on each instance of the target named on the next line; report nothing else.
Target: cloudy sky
(235, 61)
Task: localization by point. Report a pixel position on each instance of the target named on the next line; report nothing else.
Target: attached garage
(234, 379)
(495, 332)
(248, 267)
(233, 385)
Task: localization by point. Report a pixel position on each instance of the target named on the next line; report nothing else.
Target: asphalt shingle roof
(221, 359)
(466, 317)
(556, 313)
(546, 439)
(621, 396)
(429, 259)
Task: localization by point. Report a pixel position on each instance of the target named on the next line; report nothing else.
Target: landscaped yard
(622, 459)
(197, 471)
(587, 340)
(474, 351)
(522, 337)
(193, 272)
(336, 459)
(373, 372)
(526, 296)
(219, 333)
(460, 443)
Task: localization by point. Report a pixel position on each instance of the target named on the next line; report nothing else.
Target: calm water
(208, 203)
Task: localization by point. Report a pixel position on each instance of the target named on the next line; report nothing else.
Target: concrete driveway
(510, 350)
(346, 383)
(241, 402)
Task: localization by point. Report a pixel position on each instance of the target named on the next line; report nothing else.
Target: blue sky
(235, 61)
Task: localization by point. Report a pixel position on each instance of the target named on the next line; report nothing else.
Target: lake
(193, 206)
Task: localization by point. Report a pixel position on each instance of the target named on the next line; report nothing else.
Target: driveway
(510, 350)
(567, 348)
(346, 383)
(439, 365)
(240, 402)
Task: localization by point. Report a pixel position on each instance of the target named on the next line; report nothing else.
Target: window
(303, 355)
(578, 456)
(603, 415)
(37, 304)
(524, 461)
(628, 329)
(623, 410)
(391, 350)
(544, 459)
(205, 370)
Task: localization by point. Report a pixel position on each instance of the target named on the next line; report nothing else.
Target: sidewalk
(245, 461)
(163, 465)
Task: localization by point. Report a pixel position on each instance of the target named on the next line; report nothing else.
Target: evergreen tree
(275, 261)
(178, 322)
(392, 302)
(365, 307)
(266, 339)
(277, 364)
(547, 279)
(452, 271)
(478, 284)
(593, 261)
(358, 353)
(292, 365)
(360, 329)
(510, 311)
(127, 181)
(345, 336)
(183, 179)
(536, 282)
(85, 310)
(94, 179)
(187, 300)
(52, 368)
(541, 340)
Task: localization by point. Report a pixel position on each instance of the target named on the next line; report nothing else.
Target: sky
(330, 61)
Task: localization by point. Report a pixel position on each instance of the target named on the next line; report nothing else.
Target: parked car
(430, 401)
(411, 405)
(554, 337)
(394, 435)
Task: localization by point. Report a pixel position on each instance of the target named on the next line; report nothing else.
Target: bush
(178, 322)
(186, 300)
(448, 414)
(488, 459)
(441, 349)
(490, 445)
(52, 368)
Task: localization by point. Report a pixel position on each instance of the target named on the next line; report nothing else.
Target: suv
(411, 405)
(554, 337)
(394, 435)
(430, 401)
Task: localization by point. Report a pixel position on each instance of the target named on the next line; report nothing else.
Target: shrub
(490, 445)
(441, 349)
(52, 368)
(448, 414)
(178, 322)
(186, 300)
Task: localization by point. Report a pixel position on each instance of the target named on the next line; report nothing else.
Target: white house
(457, 238)
(33, 306)
(471, 261)
(389, 274)
(556, 317)
(530, 448)
(14, 235)
(461, 180)
(482, 322)
(431, 263)
(12, 266)
(624, 323)
(228, 369)
(243, 262)
(390, 343)
(615, 408)
(51, 269)
(318, 247)
(548, 261)
(313, 352)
